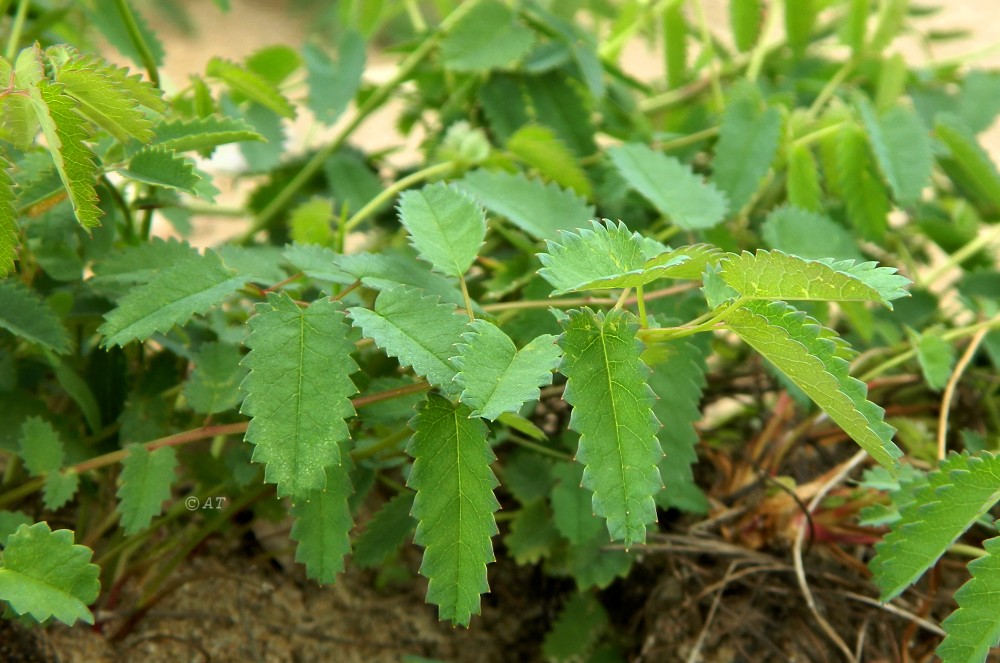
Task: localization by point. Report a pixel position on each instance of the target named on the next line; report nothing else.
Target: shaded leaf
(539, 147)
(864, 194)
(25, 315)
(807, 234)
(748, 142)
(488, 37)
(903, 150)
(332, 86)
(214, 385)
(249, 84)
(202, 133)
(146, 479)
(386, 532)
(323, 522)
(41, 448)
(161, 167)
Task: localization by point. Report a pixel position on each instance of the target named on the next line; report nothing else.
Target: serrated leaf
(446, 226)
(803, 185)
(864, 194)
(531, 535)
(488, 37)
(386, 532)
(170, 298)
(8, 221)
(454, 505)
(539, 147)
(541, 210)
(418, 330)
(800, 19)
(936, 358)
(573, 506)
(41, 448)
(158, 166)
(807, 234)
(808, 354)
(108, 19)
(388, 269)
(65, 138)
(310, 221)
(745, 19)
(202, 133)
(9, 522)
(104, 96)
(25, 315)
(323, 522)
(558, 104)
(975, 627)
(967, 162)
(577, 629)
(132, 265)
(776, 275)
(748, 141)
(60, 487)
(332, 86)
(678, 381)
(317, 262)
(495, 376)
(44, 574)
(902, 148)
(956, 495)
(670, 186)
(214, 385)
(146, 479)
(298, 391)
(250, 84)
(612, 411)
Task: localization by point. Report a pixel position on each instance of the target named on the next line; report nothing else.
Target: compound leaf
(44, 574)
(808, 354)
(24, 314)
(381, 271)
(670, 186)
(803, 179)
(323, 523)
(539, 209)
(454, 505)
(488, 37)
(446, 226)
(202, 133)
(612, 411)
(541, 149)
(250, 84)
(958, 493)
(170, 298)
(139, 264)
(159, 166)
(8, 220)
(748, 141)
(386, 532)
(214, 385)
(298, 392)
(967, 162)
(419, 331)
(863, 193)
(65, 138)
(495, 376)
(776, 275)
(902, 148)
(975, 627)
(145, 484)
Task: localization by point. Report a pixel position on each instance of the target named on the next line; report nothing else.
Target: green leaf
(8, 221)
(106, 17)
(539, 147)
(202, 133)
(555, 102)
(65, 138)
(25, 315)
(488, 37)
(250, 84)
(776, 275)
(60, 487)
(161, 167)
(45, 575)
(748, 141)
(975, 627)
(937, 358)
(678, 381)
(132, 265)
(807, 234)
(864, 194)
(803, 185)
(902, 148)
(891, 17)
(956, 495)
(146, 479)
(454, 505)
(579, 626)
(310, 221)
(323, 522)
(670, 186)
(800, 19)
(392, 268)
(298, 391)
(41, 448)
(967, 162)
(808, 354)
(317, 262)
(170, 298)
(333, 86)
(745, 20)
(675, 33)
(214, 385)
(531, 535)
(9, 522)
(108, 98)
(419, 331)
(541, 210)
(495, 376)
(612, 411)
(386, 532)
(852, 31)
(446, 226)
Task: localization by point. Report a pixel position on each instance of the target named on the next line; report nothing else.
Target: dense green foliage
(570, 239)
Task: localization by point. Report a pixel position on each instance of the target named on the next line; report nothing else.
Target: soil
(695, 595)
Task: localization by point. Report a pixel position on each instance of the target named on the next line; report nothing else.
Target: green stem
(146, 55)
(534, 446)
(387, 442)
(714, 72)
(763, 45)
(669, 333)
(964, 253)
(689, 139)
(829, 89)
(13, 41)
(818, 134)
(641, 302)
(395, 188)
(466, 298)
(373, 102)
